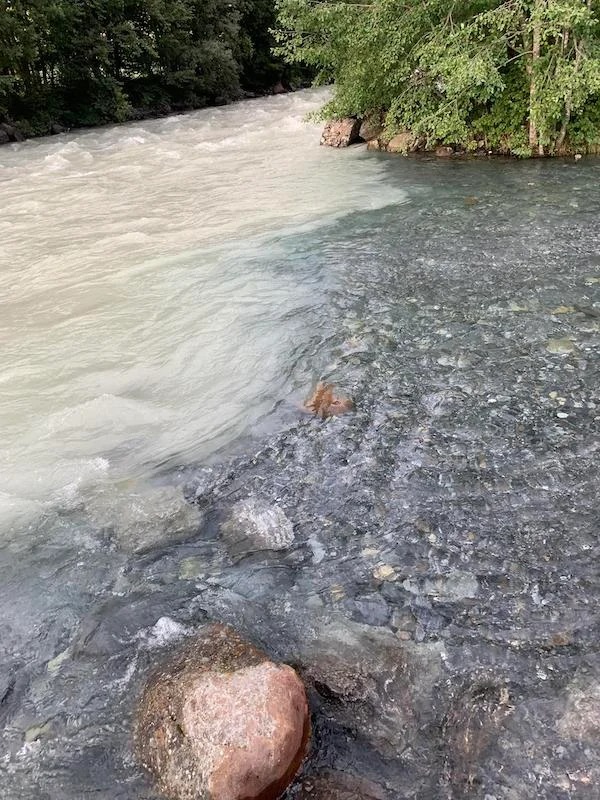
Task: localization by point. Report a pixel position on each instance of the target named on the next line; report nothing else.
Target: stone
(374, 144)
(444, 151)
(145, 518)
(370, 128)
(220, 721)
(324, 403)
(14, 134)
(56, 128)
(455, 586)
(581, 719)
(254, 525)
(385, 572)
(332, 785)
(371, 683)
(471, 728)
(341, 133)
(4, 137)
(401, 143)
(560, 346)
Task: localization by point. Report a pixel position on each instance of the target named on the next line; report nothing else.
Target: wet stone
(219, 721)
(254, 525)
(560, 346)
(338, 786)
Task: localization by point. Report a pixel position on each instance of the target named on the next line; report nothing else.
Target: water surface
(170, 292)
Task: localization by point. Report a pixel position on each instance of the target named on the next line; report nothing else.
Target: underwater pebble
(560, 346)
(563, 310)
(385, 573)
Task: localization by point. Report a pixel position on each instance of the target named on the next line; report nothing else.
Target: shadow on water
(440, 597)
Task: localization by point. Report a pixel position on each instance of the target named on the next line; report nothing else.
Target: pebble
(385, 573)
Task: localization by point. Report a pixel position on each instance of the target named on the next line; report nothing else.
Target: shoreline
(13, 135)
(349, 131)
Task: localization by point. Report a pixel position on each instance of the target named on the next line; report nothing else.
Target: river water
(170, 291)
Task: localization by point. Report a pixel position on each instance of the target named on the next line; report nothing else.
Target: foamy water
(150, 306)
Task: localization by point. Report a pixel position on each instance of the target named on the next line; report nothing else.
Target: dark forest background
(69, 63)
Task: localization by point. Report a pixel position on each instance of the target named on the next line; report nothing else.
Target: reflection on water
(448, 526)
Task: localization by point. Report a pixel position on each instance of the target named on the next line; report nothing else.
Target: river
(171, 291)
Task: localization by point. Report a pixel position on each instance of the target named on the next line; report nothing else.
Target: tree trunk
(535, 55)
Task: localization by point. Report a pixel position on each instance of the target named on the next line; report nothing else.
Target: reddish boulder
(219, 721)
(341, 133)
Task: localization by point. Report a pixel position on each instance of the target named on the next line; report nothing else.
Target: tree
(85, 62)
(521, 75)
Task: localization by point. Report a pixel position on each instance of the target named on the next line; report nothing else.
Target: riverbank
(11, 132)
(370, 130)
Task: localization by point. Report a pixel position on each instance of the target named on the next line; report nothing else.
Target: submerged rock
(324, 403)
(372, 684)
(560, 346)
(341, 133)
(254, 525)
(219, 721)
(146, 518)
(339, 786)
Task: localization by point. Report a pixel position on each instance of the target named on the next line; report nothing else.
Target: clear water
(170, 292)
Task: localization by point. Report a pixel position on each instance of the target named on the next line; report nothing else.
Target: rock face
(254, 525)
(341, 133)
(219, 721)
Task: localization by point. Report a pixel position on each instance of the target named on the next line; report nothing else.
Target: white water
(149, 304)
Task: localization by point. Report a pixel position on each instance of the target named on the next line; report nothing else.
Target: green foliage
(85, 62)
(523, 76)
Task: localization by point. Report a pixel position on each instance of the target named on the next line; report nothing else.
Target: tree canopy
(523, 76)
(84, 62)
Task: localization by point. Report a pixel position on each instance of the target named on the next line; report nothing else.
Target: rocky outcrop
(220, 721)
(254, 526)
(341, 133)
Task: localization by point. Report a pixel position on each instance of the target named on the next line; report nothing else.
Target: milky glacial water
(171, 291)
(150, 310)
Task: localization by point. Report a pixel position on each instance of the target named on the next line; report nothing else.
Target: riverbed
(171, 292)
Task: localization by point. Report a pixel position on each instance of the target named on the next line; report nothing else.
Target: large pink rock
(341, 133)
(219, 721)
